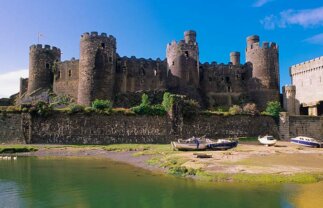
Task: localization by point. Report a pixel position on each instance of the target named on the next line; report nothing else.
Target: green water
(37, 182)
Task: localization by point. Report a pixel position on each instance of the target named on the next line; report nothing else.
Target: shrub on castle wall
(75, 108)
(61, 101)
(250, 109)
(168, 101)
(235, 109)
(247, 109)
(102, 105)
(145, 108)
(273, 109)
(41, 108)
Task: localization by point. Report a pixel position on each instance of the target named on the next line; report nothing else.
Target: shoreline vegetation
(249, 162)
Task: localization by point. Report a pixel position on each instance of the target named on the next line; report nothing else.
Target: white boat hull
(265, 141)
(307, 142)
(188, 146)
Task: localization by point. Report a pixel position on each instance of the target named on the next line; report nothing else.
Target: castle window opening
(173, 63)
(69, 73)
(103, 45)
(47, 65)
(227, 79)
(110, 59)
(143, 71)
(186, 53)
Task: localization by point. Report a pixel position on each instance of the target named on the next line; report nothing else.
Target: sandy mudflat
(284, 158)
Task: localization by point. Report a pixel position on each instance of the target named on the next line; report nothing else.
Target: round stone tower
(41, 62)
(97, 67)
(265, 71)
(183, 62)
(190, 37)
(235, 58)
(289, 99)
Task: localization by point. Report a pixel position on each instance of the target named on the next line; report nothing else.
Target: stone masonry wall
(61, 128)
(229, 126)
(105, 129)
(98, 129)
(66, 78)
(10, 129)
(293, 126)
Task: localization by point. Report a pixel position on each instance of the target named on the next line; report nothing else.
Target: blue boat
(305, 141)
(221, 144)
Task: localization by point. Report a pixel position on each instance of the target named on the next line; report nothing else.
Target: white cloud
(305, 18)
(9, 82)
(260, 3)
(269, 22)
(316, 39)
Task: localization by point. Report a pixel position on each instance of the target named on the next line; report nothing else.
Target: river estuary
(87, 182)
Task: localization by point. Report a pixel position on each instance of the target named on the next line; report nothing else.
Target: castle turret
(97, 67)
(23, 87)
(265, 70)
(289, 99)
(235, 58)
(190, 37)
(183, 62)
(41, 62)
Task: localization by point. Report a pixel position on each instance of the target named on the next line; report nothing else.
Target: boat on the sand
(305, 141)
(267, 140)
(196, 143)
(221, 144)
(193, 143)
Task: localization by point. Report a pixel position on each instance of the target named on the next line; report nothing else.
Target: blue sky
(144, 27)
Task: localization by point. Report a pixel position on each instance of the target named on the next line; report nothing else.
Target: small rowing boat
(193, 143)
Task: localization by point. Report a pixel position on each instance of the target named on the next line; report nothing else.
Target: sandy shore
(248, 158)
(95, 152)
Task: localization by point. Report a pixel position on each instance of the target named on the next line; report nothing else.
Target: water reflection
(57, 182)
(9, 194)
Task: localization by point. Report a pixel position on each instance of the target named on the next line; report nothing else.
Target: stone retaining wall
(10, 128)
(293, 126)
(81, 128)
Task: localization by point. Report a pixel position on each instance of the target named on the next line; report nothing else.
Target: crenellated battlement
(263, 45)
(134, 58)
(309, 62)
(289, 88)
(307, 66)
(44, 47)
(96, 35)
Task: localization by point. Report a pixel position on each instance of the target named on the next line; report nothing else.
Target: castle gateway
(101, 73)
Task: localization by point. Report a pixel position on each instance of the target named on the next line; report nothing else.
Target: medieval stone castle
(101, 73)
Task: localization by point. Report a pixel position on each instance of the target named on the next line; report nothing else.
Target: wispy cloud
(260, 3)
(304, 18)
(316, 39)
(9, 82)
